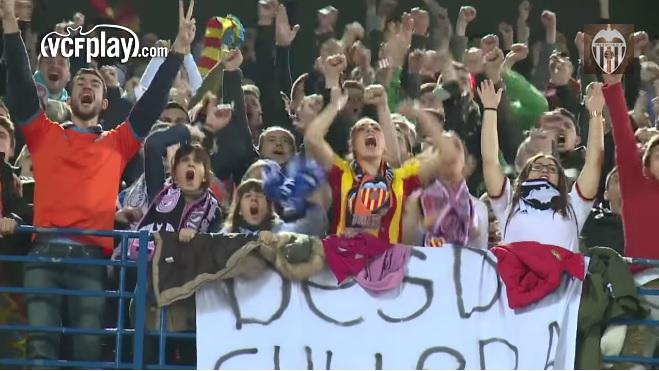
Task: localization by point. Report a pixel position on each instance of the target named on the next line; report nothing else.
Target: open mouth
(253, 210)
(53, 77)
(371, 142)
(189, 175)
(86, 98)
(560, 140)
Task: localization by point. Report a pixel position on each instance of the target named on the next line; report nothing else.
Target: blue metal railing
(139, 333)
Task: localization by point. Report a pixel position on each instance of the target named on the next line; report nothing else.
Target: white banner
(451, 313)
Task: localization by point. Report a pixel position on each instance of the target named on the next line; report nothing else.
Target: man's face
(174, 116)
(254, 113)
(562, 130)
(277, 146)
(612, 194)
(55, 71)
(86, 99)
(5, 143)
(368, 140)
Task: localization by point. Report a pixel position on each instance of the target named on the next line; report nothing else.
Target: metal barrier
(138, 334)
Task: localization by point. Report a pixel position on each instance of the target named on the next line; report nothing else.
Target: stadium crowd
(404, 129)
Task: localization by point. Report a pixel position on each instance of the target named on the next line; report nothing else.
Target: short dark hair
(199, 153)
(176, 105)
(564, 112)
(91, 71)
(9, 126)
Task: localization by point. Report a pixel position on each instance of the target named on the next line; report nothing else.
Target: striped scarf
(453, 210)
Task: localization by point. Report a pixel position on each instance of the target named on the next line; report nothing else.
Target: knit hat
(222, 33)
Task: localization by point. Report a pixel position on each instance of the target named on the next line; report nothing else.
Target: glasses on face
(551, 169)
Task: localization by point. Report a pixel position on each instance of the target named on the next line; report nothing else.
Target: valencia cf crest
(610, 48)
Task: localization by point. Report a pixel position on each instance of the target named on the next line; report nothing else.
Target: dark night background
(160, 16)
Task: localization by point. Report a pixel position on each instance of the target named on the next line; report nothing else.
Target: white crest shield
(609, 48)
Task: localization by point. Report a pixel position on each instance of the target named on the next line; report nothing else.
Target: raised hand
(333, 67)
(518, 52)
(548, 19)
(109, 74)
(490, 97)
(233, 60)
(421, 21)
(493, 61)
(218, 116)
(641, 40)
(466, 15)
(309, 108)
(595, 98)
(559, 70)
(284, 34)
(186, 29)
(415, 61)
(489, 43)
(398, 45)
(473, 59)
(523, 30)
(524, 10)
(267, 12)
(375, 95)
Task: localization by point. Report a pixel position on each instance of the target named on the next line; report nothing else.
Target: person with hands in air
(443, 212)
(368, 192)
(639, 178)
(540, 207)
(81, 191)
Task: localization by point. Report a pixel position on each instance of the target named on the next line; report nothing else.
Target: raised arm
(443, 152)
(376, 95)
(21, 97)
(314, 136)
(589, 177)
(492, 172)
(153, 102)
(627, 156)
(540, 76)
(155, 148)
(235, 149)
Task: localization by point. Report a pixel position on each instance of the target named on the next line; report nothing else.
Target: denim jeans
(71, 311)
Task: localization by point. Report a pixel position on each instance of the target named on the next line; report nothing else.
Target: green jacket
(608, 293)
(526, 101)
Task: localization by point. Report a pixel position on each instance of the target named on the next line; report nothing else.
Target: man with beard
(77, 168)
